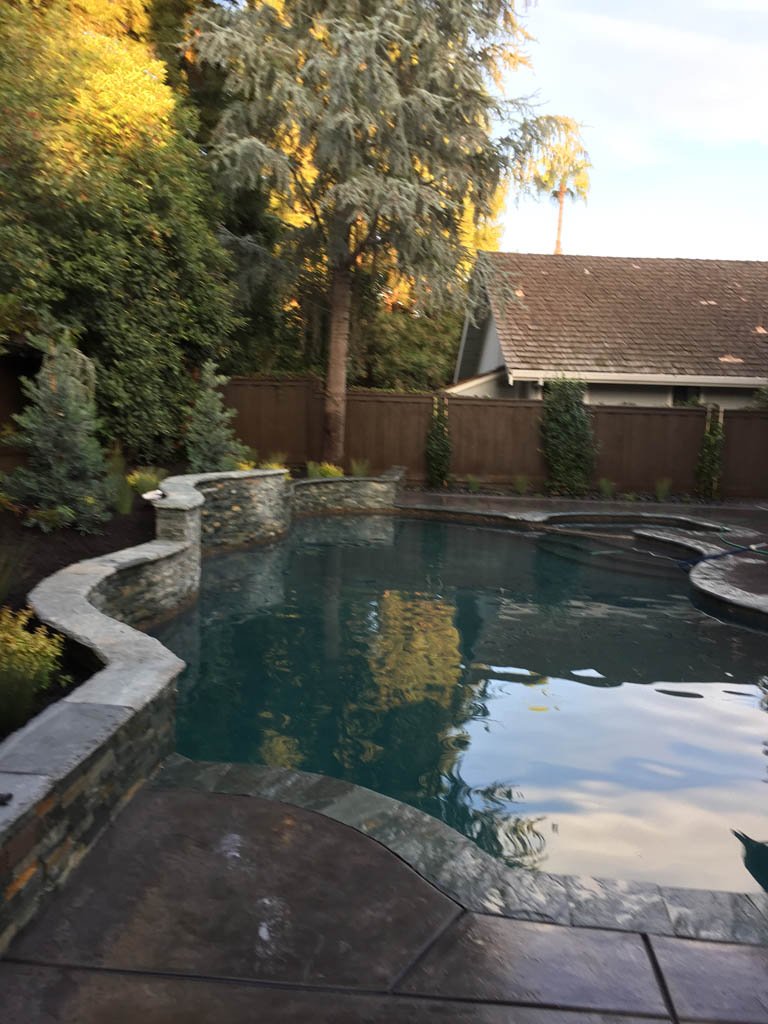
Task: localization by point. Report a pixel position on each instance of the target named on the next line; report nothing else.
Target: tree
(64, 480)
(560, 168)
(210, 440)
(372, 123)
(107, 219)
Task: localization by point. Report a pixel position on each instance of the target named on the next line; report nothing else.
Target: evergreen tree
(64, 480)
(371, 123)
(568, 442)
(210, 440)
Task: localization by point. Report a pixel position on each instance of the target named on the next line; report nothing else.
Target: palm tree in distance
(561, 168)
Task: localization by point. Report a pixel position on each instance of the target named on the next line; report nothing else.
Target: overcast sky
(674, 98)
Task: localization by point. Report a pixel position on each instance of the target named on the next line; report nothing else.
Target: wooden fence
(497, 440)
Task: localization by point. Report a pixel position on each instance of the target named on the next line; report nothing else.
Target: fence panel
(389, 430)
(496, 439)
(745, 454)
(273, 416)
(637, 447)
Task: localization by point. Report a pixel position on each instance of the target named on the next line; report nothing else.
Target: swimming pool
(562, 705)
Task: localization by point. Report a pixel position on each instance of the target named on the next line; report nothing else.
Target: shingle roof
(603, 314)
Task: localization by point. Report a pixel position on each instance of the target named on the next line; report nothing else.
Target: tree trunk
(336, 380)
(560, 205)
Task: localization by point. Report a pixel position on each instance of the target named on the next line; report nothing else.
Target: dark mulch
(27, 555)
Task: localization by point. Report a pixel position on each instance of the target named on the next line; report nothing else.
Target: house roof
(610, 316)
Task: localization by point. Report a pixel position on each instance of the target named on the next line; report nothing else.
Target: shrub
(122, 492)
(606, 487)
(628, 496)
(210, 440)
(323, 470)
(360, 467)
(473, 484)
(438, 450)
(709, 466)
(567, 441)
(146, 478)
(30, 662)
(662, 488)
(521, 484)
(107, 215)
(65, 478)
(275, 460)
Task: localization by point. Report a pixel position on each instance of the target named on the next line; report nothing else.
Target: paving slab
(239, 887)
(60, 996)
(491, 958)
(715, 981)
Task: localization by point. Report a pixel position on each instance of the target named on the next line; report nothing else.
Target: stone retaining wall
(346, 494)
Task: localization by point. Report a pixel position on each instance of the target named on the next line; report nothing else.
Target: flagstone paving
(215, 907)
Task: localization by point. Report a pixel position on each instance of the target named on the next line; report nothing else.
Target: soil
(27, 555)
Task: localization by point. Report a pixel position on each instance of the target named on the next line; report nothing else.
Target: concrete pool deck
(198, 907)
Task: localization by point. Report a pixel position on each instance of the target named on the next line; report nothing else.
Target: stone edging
(479, 882)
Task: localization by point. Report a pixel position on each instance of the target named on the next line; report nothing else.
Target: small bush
(30, 662)
(360, 467)
(473, 484)
(606, 487)
(521, 484)
(210, 440)
(662, 488)
(323, 470)
(146, 478)
(709, 466)
(438, 450)
(64, 480)
(628, 496)
(122, 493)
(276, 460)
(567, 441)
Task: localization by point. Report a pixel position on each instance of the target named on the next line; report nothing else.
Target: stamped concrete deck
(214, 907)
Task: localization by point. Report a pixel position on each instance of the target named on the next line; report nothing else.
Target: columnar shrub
(568, 444)
(210, 440)
(65, 478)
(438, 453)
(709, 466)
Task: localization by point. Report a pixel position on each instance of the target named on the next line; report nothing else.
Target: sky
(673, 96)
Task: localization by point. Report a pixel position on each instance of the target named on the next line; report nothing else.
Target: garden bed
(27, 555)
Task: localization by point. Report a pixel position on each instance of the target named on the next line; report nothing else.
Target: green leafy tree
(210, 440)
(560, 166)
(568, 443)
(371, 125)
(65, 477)
(107, 220)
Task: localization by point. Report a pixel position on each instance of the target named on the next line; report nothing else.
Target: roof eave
(604, 377)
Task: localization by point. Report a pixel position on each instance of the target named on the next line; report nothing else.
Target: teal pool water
(560, 709)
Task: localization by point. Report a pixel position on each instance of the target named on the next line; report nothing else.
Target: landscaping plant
(122, 492)
(30, 664)
(606, 487)
(360, 467)
(709, 466)
(438, 453)
(568, 443)
(521, 484)
(662, 488)
(146, 478)
(323, 470)
(473, 484)
(210, 440)
(64, 480)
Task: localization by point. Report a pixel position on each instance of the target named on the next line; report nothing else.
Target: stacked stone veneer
(71, 769)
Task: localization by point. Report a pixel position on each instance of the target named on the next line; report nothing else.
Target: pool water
(563, 712)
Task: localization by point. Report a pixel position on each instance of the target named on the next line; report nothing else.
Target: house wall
(490, 353)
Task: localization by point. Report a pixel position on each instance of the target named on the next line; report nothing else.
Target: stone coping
(477, 881)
